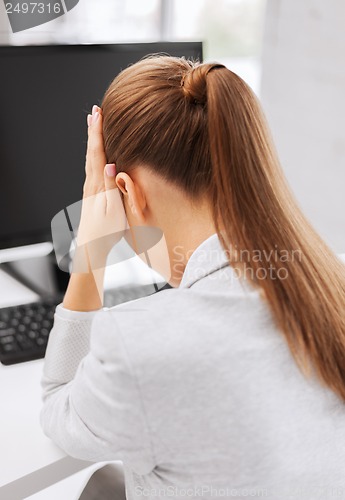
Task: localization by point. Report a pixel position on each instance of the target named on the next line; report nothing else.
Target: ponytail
(201, 127)
(269, 239)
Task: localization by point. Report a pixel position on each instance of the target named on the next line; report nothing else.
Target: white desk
(29, 461)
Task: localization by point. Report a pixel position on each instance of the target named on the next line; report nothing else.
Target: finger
(95, 158)
(109, 176)
(111, 189)
(95, 142)
(89, 116)
(96, 108)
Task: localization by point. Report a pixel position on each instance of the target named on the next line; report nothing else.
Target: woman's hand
(103, 219)
(103, 222)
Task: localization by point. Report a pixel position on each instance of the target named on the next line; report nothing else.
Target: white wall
(303, 93)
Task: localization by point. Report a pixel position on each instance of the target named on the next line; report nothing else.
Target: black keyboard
(24, 331)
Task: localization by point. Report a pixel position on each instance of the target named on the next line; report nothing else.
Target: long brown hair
(201, 127)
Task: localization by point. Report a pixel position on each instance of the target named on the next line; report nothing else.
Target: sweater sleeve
(92, 405)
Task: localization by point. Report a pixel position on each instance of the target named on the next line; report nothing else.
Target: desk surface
(24, 447)
(29, 461)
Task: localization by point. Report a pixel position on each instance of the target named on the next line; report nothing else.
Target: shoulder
(170, 324)
(148, 328)
(152, 308)
(142, 314)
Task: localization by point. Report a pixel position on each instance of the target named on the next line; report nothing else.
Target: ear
(133, 195)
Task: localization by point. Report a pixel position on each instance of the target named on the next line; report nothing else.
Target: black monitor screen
(45, 95)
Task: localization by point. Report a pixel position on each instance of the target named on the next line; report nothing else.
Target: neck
(184, 236)
(185, 223)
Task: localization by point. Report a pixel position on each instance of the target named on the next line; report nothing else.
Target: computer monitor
(45, 95)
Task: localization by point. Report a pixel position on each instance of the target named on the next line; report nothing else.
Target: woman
(231, 383)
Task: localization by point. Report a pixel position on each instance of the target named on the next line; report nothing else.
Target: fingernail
(110, 168)
(94, 109)
(89, 120)
(95, 117)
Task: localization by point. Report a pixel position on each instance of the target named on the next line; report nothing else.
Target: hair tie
(194, 82)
